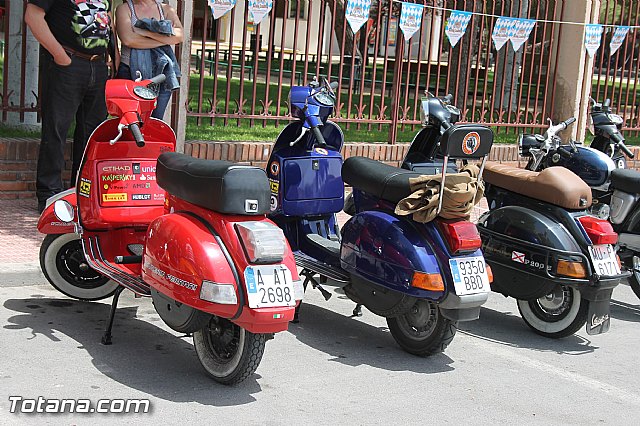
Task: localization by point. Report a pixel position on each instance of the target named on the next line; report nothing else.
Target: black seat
(220, 186)
(381, 180)
(626, 180)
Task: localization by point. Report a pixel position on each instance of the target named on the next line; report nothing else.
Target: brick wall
(18, 157)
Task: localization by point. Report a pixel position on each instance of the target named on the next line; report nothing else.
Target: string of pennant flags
(506, 29)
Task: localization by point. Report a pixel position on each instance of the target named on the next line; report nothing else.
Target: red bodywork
(119, 206)
(181, 245)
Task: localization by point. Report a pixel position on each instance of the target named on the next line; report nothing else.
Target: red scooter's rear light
(462, 236)
(599, 231)
(263, 242)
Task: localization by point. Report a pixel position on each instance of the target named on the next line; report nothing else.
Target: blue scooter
(422, 277)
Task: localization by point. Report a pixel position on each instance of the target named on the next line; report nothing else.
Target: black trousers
(73, 91)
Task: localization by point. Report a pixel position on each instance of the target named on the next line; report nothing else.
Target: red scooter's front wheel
(64, 265)
(228, 352)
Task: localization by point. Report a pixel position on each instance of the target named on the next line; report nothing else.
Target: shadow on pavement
(142, 357)
(352, 342)
(625, 311)
(510, 330)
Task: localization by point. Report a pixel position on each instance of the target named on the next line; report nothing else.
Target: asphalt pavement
(328, 369)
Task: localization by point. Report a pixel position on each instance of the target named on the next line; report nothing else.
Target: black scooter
(615, 190)
(606, 128)
(543, 246)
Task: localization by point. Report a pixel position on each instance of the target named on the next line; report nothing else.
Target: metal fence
(242, 71)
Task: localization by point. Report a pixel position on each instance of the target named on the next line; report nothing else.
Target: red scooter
(192, 234)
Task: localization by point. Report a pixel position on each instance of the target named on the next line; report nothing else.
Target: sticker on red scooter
(85, 187)
(471, 143)
(516, 256)
(129, 184)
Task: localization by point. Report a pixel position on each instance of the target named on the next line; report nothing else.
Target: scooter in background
(422, 277)
(204, 250)
(606, 128)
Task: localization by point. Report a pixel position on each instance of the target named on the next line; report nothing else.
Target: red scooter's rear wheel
(64, 265)
(228, 352)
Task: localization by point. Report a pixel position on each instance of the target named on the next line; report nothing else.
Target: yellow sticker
(274, 186)
(85, 187)
(109, 198)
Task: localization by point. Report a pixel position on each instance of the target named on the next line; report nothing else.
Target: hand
(63, 61)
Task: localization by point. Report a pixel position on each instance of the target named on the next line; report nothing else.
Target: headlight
(324, 98)
(615, 119)
(63, 211)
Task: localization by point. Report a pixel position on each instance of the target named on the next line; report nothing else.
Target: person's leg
(92, 112)
(164, 97)
(124, 72)
(61, 93)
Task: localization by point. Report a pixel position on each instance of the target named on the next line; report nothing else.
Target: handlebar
(318, 135)
(160, 78)
(563, 152)
(625, 150)
(137, 134)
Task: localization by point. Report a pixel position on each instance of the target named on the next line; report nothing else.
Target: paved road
(329, 369)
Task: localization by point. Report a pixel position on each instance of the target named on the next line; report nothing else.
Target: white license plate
(604, 260)
(269, 286)
(469, 275)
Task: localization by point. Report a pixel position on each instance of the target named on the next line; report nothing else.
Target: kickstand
(106, 338)
(357, 311)
(315, 284)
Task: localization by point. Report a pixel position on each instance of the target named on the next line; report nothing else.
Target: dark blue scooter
(423, 277)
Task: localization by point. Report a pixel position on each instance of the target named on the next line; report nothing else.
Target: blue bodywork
(307, 191)
(591, 165)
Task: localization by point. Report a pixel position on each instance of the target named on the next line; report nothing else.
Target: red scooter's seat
(381, 180)
(220, 186)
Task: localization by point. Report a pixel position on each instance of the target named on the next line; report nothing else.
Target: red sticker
(471, 143)
(274, 167)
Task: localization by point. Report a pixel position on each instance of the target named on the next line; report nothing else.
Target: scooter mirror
(63, 211)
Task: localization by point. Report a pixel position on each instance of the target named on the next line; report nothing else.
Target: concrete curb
(20, 274)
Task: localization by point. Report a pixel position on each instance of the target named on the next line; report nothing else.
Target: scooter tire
(634, 279)
(558, 323)
(423, 331)
(64, 265)
(228, 353)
